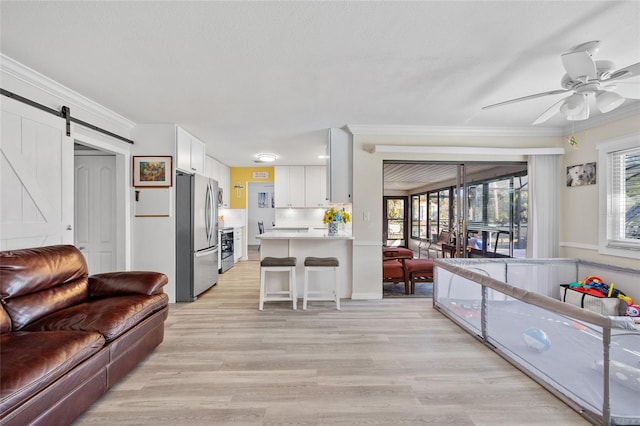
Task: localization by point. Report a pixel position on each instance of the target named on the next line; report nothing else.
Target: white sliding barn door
(95, 211)
(36, 178)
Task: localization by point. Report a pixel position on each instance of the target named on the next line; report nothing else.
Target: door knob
(69, 227)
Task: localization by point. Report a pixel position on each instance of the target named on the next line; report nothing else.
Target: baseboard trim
(366, 296)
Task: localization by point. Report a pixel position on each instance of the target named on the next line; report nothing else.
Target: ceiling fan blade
(537, 95)
(627, 72)
(550, 112)
(579, 64)
(628, 89)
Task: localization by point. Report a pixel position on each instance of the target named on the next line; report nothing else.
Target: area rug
(397, 290)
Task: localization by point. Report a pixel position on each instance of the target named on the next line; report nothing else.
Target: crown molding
(41, 82)
(602, 119)
(398, 130)
(463, 150)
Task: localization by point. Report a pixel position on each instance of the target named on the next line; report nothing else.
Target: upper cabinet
(190, 153)
(315, 186)
(289, 186)
(211, 167)
(220, 172)
(224, 182)
(300, 186)
(339, 166)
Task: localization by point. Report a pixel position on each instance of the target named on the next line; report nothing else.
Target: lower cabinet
(238, 246)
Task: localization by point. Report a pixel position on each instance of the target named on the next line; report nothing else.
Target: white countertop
(302, 235)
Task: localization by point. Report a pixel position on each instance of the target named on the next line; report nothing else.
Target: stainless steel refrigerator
(196, 235)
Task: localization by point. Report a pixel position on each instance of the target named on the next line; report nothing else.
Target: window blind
(623, 220)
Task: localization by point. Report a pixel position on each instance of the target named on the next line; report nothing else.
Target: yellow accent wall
(241, 176)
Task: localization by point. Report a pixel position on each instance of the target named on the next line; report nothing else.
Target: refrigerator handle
(207, 213)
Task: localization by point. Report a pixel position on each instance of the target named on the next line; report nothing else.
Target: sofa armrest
(129, 282)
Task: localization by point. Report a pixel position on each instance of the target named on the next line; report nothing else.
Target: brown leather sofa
(67, 337)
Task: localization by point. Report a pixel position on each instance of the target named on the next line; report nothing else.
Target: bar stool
(321, 264)
(278, 264)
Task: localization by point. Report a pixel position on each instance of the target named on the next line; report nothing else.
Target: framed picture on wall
(153, 171)
(581, 174)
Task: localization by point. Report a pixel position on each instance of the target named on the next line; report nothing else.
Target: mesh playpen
(589, 360)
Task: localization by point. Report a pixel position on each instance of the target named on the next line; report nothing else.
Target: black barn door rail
(64, 113)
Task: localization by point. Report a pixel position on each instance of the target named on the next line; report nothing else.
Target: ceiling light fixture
(608, 101)
(573, 105)
(266, 157)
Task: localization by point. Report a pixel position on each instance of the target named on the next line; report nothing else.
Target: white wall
(579, 208)
(153, 243)
(368, 184)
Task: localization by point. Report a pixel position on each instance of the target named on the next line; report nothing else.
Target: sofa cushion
(31, 361)
(392, 269)
(420, 267)
(5, 321)
(27, 271)
(35, 282)
(28, 308)
(109, 316)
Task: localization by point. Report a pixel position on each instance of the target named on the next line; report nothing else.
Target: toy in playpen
(596, 286)
(536, 339)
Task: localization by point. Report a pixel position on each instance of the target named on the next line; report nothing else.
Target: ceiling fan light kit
(608, 101)
(573, 105)
(587, 79)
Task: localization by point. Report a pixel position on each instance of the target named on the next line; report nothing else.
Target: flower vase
(333, 228)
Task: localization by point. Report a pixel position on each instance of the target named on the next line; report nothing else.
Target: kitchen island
(312, 242)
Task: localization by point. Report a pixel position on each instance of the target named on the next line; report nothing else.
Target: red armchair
(394, 269)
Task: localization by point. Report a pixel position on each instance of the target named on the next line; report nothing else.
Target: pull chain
(572, 140)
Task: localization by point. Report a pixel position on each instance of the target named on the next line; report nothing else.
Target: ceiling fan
(588, 81)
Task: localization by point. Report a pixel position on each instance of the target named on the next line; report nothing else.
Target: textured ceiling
(248, 77)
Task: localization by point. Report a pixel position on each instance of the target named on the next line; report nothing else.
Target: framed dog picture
(581, 174)
(152, 171)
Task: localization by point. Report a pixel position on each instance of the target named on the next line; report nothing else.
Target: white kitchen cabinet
(190, 153)
(220, 172)
(289, 186)
(339, 166)
(224, 183)
(238, 245)
(211, 167)
(315, 184)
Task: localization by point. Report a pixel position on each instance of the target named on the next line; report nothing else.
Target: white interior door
(260, 207)
(36, 178)
(95, 211)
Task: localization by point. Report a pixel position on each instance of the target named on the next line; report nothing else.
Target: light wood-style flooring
(386, 362)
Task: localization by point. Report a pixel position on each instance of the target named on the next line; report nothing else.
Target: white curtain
(543, 240)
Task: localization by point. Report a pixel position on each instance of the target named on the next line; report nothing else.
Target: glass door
(395, 221)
